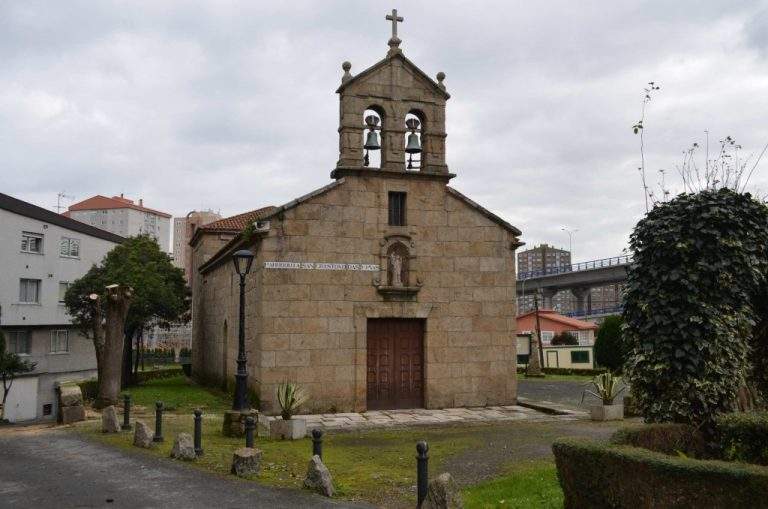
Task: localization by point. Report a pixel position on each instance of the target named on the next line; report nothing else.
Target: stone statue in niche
(397, 265)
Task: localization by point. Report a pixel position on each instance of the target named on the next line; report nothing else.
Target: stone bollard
(246, 461)
(126, 412)
(183, 447)
(318, 477)
(443, 493)
(317, 443)
(110, 423)
(250, 425)
(422, 472)
(198, 432)
(158, 422)
(142, 436)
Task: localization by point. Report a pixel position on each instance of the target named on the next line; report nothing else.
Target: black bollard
(422, 472)
(126, 412)
(158, 422)
(250, 425)
(198, 432)
(317, 442)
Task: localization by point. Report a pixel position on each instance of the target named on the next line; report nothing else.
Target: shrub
(610, 351)
(744, 436)
(290, 396)
(666, 438)
(699, 260)
(599, 475)
(607, 388)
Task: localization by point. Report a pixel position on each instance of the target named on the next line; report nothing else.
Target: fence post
(158, 422)
(422, 472)
(250, 424)
(198, 432)
(317, 442)
(126, 412)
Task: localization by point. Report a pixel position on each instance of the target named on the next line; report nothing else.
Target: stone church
(384, 289)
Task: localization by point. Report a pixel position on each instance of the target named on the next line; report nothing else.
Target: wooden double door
(395, 363)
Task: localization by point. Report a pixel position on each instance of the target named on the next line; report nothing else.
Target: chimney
(141, 202)
(121, 195)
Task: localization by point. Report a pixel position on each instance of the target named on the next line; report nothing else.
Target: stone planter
(292, 429)
(613, 412)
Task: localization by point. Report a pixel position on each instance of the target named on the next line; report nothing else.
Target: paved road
(54, 468)
(564, 392)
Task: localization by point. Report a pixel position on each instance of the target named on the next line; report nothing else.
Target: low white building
(42, 253)
(123, 217)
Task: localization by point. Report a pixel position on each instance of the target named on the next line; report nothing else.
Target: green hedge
(566, 371)
(600, 475)
(90, 388)
(667, 438)
(744, 436)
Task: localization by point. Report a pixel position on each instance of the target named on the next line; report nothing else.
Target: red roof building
(552, 324)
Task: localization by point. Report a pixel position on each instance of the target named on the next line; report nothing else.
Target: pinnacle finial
(346, 66)
(440, 78)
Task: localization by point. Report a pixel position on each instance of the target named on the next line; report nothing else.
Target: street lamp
(570, 233)
(242, 260)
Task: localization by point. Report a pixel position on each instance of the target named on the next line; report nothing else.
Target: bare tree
(639, 128)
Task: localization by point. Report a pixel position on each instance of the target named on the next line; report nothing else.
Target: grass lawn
(179, 395)
(378, 466)
(529, 485)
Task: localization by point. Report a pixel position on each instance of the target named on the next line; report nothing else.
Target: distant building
(183, 230)
(544, 259)
(552, 324)
(123, 217)
(42, 253)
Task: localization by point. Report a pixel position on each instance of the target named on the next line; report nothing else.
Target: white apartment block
(123, 217)
(42, 253)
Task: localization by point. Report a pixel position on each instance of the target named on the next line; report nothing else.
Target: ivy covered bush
(744, 437)
(700, 261)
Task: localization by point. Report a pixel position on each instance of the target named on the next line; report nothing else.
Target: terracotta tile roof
(239, 222)
(549, 314)
(100, 202)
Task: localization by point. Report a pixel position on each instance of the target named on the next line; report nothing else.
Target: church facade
(384, 289)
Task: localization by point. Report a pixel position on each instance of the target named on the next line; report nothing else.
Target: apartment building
(123, 217)
(42, 253)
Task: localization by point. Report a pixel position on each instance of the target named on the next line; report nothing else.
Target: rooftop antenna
(62, 196)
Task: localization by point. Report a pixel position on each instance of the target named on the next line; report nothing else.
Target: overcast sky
(231, 105)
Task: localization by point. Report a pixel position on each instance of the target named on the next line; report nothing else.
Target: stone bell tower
(394, 88)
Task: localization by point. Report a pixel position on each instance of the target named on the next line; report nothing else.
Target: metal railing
(576, 267)
(598, 311)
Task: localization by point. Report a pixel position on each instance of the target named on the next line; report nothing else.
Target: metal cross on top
(394, 18)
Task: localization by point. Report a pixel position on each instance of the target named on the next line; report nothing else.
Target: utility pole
(535, 359)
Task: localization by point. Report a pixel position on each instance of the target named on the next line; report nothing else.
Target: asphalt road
(54, 468)
(564, 392)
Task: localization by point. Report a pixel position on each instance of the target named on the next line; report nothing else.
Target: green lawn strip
(378, 466)
(531, 484)
(178, 394)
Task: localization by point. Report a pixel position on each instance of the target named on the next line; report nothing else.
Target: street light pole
(242, 260)
(571, 233)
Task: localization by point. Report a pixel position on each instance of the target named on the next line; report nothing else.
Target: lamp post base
(234, 422)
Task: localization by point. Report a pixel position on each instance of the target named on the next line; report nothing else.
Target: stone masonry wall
(309, 326)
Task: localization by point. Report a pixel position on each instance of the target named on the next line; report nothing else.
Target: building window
(31, 242)
(580, 357)
(63, 287)
(546, 336)
(29, 291)
(18, 342)
(69, 247)
(523, 358)
(59, 341)
(397, 209)
(48, 409)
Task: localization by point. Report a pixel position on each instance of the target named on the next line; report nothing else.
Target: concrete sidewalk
(419, 416)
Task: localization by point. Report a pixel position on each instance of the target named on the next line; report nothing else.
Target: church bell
(413, 146)
(372, 141)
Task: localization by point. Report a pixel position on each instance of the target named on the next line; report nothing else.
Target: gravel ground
(508, 444)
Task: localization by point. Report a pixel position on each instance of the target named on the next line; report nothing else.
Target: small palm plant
(606, 388)
(290, 396)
